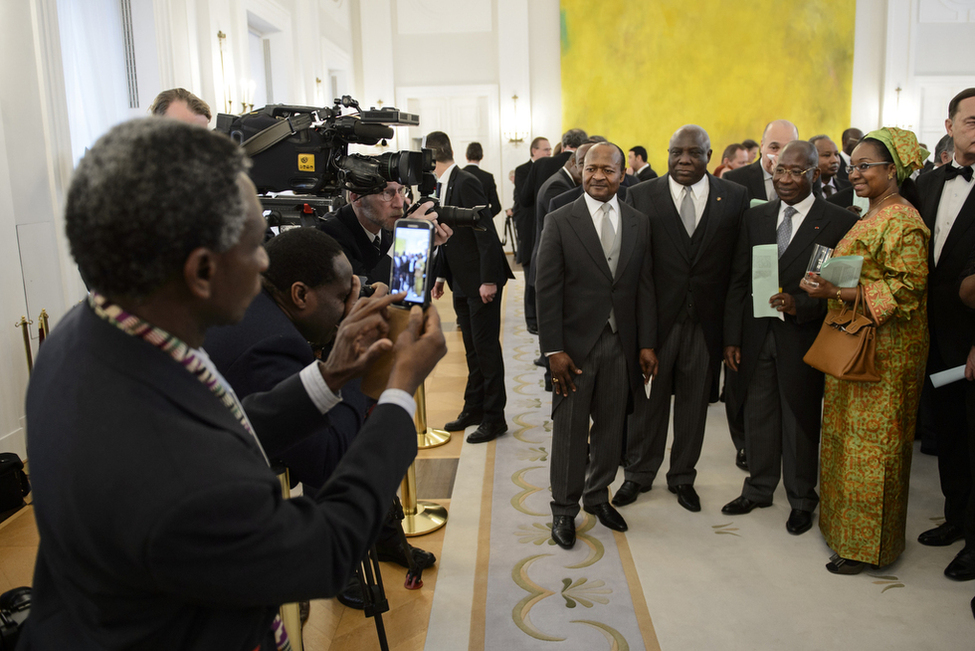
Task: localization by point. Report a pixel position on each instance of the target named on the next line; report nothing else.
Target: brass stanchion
(43, 329)
(290, 614)
(23, 323)
(419, 518)
(426, 437)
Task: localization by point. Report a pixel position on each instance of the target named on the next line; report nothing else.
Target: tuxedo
(468, 260)
(366, 259)
(691, 275)
(952, 331)
(488, 185)
(161, 524)
(752, 177)
(782, 396)
(577, 289)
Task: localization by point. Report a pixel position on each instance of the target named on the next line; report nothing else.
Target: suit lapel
(628, 221)
(933, 200)
(448, 192)
(669, 217)
(581, 223)
(715, 212)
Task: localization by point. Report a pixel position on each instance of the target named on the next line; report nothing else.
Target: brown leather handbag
(846, 344)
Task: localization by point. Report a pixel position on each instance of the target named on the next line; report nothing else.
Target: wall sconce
(516, 134)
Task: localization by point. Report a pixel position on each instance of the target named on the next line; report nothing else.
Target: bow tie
(951, 172)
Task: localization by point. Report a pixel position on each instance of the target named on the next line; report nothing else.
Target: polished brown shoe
(628, 492)
(687, 497)
(741, 506)
(799, 522)
(607, 516)
(564, 531)
(942, 535)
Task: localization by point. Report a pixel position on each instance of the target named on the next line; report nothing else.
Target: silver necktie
(606, 231)
(687, 213)
(784, 232)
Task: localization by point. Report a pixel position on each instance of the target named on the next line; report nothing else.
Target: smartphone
(412, 254)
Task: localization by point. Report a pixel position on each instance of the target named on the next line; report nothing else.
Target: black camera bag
(14, 485)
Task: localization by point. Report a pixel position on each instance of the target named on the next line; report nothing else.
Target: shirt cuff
(399, 397)
(318, 390)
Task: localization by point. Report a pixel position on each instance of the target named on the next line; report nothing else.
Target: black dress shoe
(540, 361)
(564, 531)
(962, 568)
(487, 432)
(741, 461)
(741, 506)
(465, 420)
(532, 330)
(628, 492)
(941, 536)
(608, 516)
(973, 606)
(687, 497)
(351, 595)
(799, 522)
(391, 552)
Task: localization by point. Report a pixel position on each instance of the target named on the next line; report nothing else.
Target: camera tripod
(371, 580)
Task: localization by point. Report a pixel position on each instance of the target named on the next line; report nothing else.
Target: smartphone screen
(411, 252)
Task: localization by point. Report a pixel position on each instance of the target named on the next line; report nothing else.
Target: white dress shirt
(953, 197)
(699, 193)
(802, 208)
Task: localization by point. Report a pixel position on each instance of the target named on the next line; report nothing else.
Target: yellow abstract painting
(636, 71)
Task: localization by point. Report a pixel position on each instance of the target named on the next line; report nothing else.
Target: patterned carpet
(709, 581)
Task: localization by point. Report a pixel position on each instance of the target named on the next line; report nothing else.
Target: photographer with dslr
(161, 523)
(364, 228)
(474, 264)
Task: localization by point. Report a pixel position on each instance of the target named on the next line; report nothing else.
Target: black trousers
(480, 325)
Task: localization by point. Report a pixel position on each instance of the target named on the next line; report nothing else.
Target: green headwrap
(902, 145)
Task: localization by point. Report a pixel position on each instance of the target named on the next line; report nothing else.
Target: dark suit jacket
(843, 198)
(952, 324)
(646, 174)
(343, 225)
(752, 177)
(554, 185)
(704, 277)
(841, 184)
(264, 349)
(488, 185)
(540, 171)
(825, 224)
(575, 291)
(524, 216)
(471, 258)
(161, 524)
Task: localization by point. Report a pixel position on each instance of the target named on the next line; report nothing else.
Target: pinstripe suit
(576, 291)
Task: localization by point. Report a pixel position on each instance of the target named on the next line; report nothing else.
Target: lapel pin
(718, 199)
(815, 228)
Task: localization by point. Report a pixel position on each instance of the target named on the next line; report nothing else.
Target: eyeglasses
(389, 194)
(795, 174)
(863, 167)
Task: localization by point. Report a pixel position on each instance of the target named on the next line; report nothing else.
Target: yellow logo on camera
(306, 162)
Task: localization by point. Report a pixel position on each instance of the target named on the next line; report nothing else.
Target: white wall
(377, 48)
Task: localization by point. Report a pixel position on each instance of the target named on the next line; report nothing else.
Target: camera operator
(181, 104)
(161, 524)
(364, 228)
(307, 288)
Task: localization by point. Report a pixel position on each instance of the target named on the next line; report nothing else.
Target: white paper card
(765, 280)
(942, 378)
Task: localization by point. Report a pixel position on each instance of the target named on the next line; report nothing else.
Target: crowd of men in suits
(583, 222)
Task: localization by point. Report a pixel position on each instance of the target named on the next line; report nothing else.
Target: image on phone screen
(411, 261)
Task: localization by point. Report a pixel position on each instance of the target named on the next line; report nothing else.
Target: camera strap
(275, 133)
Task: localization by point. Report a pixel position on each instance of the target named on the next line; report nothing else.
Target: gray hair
(148, 193)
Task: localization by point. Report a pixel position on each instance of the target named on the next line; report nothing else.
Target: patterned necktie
(951, 172)
(828, 190)
(606, 231)
(687, 213)
(378, 243)
(784, 232)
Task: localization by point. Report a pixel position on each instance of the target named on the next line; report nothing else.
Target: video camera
(306, 150)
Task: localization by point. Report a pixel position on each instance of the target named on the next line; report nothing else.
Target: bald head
(807, 150)
(777, 134)
(695, 132)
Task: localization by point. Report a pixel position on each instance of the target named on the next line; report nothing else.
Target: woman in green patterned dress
(868, 427)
